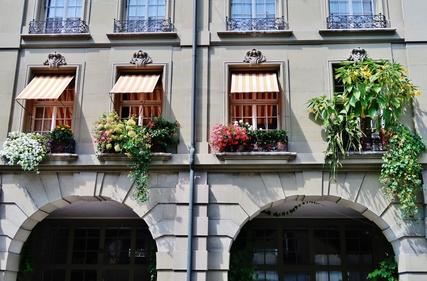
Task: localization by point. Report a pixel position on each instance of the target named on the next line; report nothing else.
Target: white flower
(26, 150)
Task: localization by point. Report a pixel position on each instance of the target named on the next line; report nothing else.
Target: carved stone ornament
(55, 60)
(254, 56)
(358, 55)
(141, 58)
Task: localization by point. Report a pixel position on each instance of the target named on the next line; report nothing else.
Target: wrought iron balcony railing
(246, 24)
(335, 21)
(58, 25)
(143, 25)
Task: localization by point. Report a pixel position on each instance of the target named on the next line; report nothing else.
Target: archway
(308, 240)
(89, 241)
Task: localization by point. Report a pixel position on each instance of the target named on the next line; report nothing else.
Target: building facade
(80, 207)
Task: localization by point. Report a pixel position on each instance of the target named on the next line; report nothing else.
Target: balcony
(256, 24)
(143, 25)
(378, 21)
(58, 26)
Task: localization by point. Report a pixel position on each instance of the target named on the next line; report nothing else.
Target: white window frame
(147, 16)
(65, 7)
(350, 7)
(253, 9)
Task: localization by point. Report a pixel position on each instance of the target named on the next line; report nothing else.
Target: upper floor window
(255, 99)
(60, 16)
(254, 15)
(50, 102)
(354, 14)
(139, 96)
(64, 9)
(145, 9)
(144, 16)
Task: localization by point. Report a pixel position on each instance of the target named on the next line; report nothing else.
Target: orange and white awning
(254, 83)
(45, 87)
(142, 83)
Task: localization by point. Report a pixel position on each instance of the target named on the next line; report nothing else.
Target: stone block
(372, 196)
(415, 263)
(116, 188)
(16, 193)
(219, 260)
(9, 261)
(202, 194)
(35, 188)
(8, 275)
(347, 185)
(200, 260)
(218, 243)
(223, 228)
(232, 212)
(217, 276)
(164, 260)
(179, 260)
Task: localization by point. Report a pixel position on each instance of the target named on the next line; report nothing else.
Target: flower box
(156, 156)
(257, 155)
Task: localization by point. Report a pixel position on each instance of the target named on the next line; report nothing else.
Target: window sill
(156, 156)
(255, 33)
(56, 36)
(141, 35)
(365, 154)
(230, 156)
(63, 157)
(357, 31)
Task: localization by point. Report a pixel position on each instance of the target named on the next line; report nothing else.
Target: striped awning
(254, 83)
(45, 87)
(141, 83)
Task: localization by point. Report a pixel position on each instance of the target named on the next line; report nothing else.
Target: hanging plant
(113, 135)
(27, 150)
(400, 171)
(379, 91)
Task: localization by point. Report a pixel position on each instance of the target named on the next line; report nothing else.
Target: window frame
(164, 69)
(380, 6)
(281, 7)
(38, 69)
(41, 10)
(282, 70)
(122, 10)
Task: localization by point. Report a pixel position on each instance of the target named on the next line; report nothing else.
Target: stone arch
(251, 193)
(29, 198)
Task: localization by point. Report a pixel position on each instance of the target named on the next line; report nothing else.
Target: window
(351, 7)
(255, 99)
(253, 8)
(90, 250)
(143, 102)
(50, 102)
(311, 249)
(145, 9)
(64, 9)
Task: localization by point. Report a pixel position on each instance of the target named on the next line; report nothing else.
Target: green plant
(400, 171)
(163, 133)
(61, 133)
(241, 267)
(381, 91)
(387, 271)
(125, 136)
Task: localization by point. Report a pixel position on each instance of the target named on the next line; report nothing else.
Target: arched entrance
(308, 241)
(89, 241)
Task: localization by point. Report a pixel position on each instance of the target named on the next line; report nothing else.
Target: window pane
(116, 275)
(83, 275)
(117, 246)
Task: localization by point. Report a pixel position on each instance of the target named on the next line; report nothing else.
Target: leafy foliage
(61, 133)
(400, 171)
(241, 267)
(387, 271)
(379, 90)
(113, 135)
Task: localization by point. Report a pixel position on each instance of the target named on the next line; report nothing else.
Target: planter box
(157, 156)
(365, 154)
(67, 157)
(274, 155)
